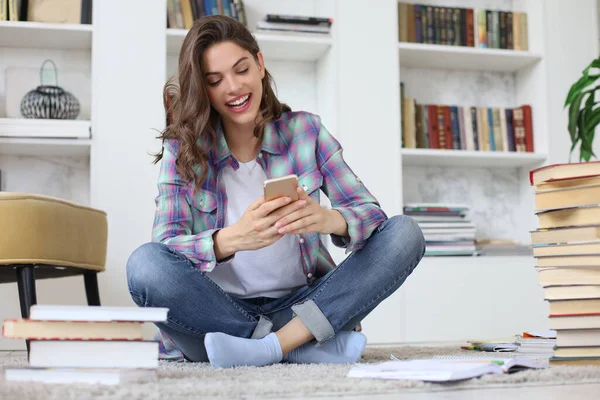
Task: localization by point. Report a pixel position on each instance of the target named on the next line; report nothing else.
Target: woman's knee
(144, 267)
(409, 239)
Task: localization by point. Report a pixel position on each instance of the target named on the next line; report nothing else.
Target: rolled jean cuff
(263, 328)
(314, 320)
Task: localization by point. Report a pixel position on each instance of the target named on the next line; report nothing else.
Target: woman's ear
(261, 64)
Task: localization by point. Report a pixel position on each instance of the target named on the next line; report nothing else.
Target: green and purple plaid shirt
(296, 143)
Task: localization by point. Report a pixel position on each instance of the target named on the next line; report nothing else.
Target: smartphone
(280, 187)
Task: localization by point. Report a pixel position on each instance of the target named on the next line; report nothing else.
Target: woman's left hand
(311, 217)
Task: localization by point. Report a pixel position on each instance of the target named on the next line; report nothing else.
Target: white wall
(127, 108)
(571, 41)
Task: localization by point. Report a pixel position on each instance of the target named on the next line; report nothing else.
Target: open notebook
(442, 369)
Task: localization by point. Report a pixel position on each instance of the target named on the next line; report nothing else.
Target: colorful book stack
(85, 344)
(454, 26)
(451, 127)
(294, 23)
(566, 246)
(446, 228)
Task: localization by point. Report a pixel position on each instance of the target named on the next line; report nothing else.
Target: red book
(528, 124)
(448, 128)
(556, 172)
(432, 127)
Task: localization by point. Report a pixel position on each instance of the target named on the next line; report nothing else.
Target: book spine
(296, 19)
(454, 127)
(448, 128)
(418, 24)
(432, 128)
(510, 133)
(491, 133)
(461, 128)
(430, 26)
(509, 31)
(475, 129)
(469, 28)
(502, 27)
(441, 127)
(528, 125)
(437, 25)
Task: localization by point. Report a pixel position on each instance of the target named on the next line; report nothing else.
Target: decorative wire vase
(49, 101)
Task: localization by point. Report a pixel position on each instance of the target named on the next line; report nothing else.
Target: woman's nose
(233, 85)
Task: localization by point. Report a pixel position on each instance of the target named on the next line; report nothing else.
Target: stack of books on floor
(294, 23)
(566, 246)
(447, 230)
(536, 344)
(85, 344)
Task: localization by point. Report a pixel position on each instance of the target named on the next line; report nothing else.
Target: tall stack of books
(446, 228)
(566, 246)
(294, 23)
(85, 344)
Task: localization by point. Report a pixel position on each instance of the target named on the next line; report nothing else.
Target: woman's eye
(243, 71)
(215, 83)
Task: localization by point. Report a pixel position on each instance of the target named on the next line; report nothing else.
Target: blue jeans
(160, 277)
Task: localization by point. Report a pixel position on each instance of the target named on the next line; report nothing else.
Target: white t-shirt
(272, 271)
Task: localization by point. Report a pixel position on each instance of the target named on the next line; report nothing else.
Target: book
(569, 217)
(578, 338)
(441, 369)
(569, 292)
(78, 375)
(567, 197)
(569, 276)
(555, 172)
(590, 260)
(50, 312)
(93, 354)
(566, 235)
(71, 330)
(572, 307)
(575, 321)
(575, 361)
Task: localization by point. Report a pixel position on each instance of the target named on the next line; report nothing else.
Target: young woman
(248, 281)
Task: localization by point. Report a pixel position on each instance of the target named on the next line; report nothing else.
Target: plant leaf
(592, 118)
(577, 87)
(594, 64)
(574, 116)
(587, 136)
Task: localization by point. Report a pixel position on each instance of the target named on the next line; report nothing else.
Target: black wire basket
(49, 101)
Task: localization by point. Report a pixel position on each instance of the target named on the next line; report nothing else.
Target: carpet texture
(193, 381)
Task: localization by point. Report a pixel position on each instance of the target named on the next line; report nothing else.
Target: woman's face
(234, 82)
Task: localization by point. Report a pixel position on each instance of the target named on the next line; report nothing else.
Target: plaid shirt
(296, 143)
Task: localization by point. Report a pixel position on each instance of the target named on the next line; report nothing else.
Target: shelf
(45, 147)
(274, 46)
(44, 128)
(43, 36)
(419, 55)
(467, 158)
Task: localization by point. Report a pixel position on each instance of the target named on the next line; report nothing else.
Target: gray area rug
(193, 381)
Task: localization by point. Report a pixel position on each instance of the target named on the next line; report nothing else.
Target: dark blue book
(490, 115)
(474, 123)
(455, 127)
(510, 131)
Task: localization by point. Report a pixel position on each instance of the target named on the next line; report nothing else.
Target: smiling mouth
(240, 102)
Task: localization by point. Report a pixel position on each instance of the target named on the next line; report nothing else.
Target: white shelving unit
(45, 36)
(468, 158)
(45, 147)
(417, 55)
(276, 46)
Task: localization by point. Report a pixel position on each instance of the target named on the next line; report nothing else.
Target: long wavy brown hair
(188, 109)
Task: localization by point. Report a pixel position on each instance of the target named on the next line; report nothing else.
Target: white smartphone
(280, 187)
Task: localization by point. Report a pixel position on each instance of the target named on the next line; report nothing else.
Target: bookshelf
(467, 158)
(280, 46)
(418, 55)
(37, 147)
(38, 35)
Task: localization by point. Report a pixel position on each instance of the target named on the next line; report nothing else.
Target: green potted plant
(584, 110)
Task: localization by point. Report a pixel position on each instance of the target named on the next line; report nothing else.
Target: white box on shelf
(44, 128)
